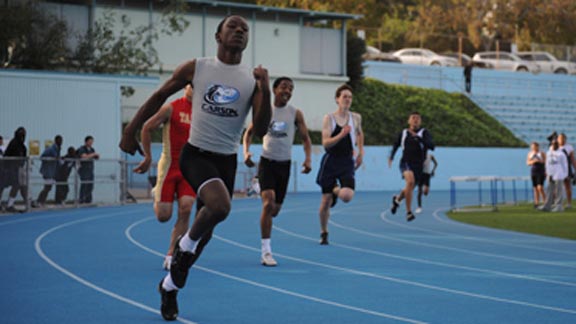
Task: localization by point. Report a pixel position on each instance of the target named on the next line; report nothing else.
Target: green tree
(356, 48)
(31, 38)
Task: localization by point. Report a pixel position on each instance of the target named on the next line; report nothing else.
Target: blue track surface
(102, 265)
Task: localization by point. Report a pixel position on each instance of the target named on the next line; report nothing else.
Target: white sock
(188, 245)
(266, 248)
(168, 284)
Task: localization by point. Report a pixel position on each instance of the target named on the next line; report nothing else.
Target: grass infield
(523, 218)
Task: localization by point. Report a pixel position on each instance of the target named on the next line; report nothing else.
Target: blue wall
(375, 175)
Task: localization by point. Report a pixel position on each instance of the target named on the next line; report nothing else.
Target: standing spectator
(62, 173)
(557, 172)
(15, 168)
(415, 142)
(569, 151)
(341, 133)
(50, 161)
(536, 159)
(424, 183)
(87, 155)
(276, 159)
(468, 75)
(1, 146)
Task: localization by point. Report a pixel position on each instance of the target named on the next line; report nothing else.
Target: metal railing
(113, 183)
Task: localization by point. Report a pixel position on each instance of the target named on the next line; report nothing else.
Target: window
(321, 51)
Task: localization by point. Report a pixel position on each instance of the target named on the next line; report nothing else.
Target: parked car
(466, 59)
(548, 63)
(506, 61)
(374, 54)
(424, 56)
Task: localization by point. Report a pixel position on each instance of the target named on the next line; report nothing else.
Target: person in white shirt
(569, 151)
(557, 171)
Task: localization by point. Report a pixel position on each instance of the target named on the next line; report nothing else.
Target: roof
(301, 12)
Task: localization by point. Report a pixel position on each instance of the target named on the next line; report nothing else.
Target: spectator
(537, 161)
(15, 168)
(557, 171)
(50, 160)
(468, 76)
(569, 151)
(62, 173)
(87, 154)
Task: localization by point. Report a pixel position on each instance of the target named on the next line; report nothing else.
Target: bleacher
(531, 106)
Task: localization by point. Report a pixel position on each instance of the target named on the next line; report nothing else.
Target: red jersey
(176, 130)
(170, 182)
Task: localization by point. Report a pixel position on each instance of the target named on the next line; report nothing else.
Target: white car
(548, 63)
(423, 56)
(506, 61)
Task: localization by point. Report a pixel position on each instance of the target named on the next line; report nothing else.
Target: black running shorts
(336, 168)
(198, 166)
(274, 175)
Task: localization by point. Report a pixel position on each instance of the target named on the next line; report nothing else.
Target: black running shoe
(169, 307)
(324, 238)
(181, 263)
(394, 205)
(410, 217)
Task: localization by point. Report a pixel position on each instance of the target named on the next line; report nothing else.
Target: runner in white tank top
(275, 162)
(224, 92)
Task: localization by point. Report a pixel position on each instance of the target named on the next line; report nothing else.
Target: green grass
(523, 218)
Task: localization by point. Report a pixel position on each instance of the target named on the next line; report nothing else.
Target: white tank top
(222, 98)
(277, 143)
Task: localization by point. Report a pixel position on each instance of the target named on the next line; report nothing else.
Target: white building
(288, 42)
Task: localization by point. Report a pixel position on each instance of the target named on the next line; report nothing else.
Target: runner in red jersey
(170, 183)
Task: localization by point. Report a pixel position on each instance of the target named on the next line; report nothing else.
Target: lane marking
(52, 263)
(436, 263)
(406, 282)
(268, 287)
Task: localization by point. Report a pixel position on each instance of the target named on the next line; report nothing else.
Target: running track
(102, 265)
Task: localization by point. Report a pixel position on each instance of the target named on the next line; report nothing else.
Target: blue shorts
(335, 169)
(415, 167)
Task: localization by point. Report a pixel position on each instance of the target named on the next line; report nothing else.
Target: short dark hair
(415, 113)
(221, 24)
(57, 138)
(342, 88)
(87, 138)
(279, 80)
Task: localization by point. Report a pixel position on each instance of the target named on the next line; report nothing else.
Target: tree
(356, 48)
(31, 39)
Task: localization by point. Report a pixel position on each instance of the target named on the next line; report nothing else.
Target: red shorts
(170, 184)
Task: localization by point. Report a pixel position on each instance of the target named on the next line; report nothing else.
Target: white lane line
(38, 247)
(448, 248)
(407, 282)
(273, 288)
(436, 263)
(526, 246)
